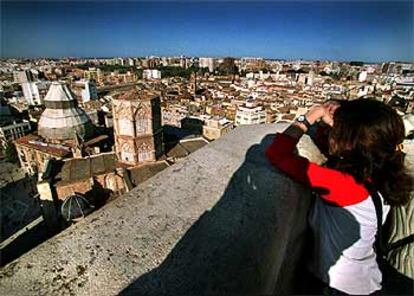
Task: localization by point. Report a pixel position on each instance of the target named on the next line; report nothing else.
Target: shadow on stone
(27, 240)
(239, 245)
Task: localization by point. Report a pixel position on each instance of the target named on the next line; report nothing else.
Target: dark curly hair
(363, 143)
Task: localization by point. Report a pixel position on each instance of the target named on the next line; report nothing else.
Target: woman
(364, 147)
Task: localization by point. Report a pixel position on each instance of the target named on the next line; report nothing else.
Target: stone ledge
(221, 221)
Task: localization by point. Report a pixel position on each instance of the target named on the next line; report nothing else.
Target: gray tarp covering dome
(62, 117)
(75, 207)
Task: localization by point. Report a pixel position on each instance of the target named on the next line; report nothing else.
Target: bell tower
(137, 127)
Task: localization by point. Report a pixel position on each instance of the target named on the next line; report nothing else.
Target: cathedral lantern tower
(137, 127)
(62, 118)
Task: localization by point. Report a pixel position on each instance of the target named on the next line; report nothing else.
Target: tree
(228, 67)
(171, 71)
(10, 152)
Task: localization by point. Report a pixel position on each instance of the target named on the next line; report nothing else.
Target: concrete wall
(223, 221)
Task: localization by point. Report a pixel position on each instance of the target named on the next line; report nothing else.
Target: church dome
(75, 207)
(62, 117)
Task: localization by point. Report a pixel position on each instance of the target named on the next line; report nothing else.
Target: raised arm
(334, 186)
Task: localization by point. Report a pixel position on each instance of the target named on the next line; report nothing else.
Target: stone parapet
(223, 221)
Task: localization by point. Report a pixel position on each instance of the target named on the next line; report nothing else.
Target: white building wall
(250, 116)
(31, 93)
(206, 63)
(151, 74)
(89, 93)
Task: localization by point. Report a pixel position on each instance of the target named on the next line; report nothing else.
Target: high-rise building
(34, 92)
(31, 93)
(130, 62)
(23, 76)
(206, 63)
(137, 127)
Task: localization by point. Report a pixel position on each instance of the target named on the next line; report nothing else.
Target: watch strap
(304, 120)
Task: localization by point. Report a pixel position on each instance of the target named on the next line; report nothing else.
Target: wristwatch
(302, 119)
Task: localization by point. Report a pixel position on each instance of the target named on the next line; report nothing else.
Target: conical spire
(62, 117)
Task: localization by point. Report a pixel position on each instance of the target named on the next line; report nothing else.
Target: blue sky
(355, 30)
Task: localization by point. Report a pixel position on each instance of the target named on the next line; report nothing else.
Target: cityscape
(78, 132)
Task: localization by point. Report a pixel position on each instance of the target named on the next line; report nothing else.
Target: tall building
(206, 63)
(94, 74)
(130, 62)
(34, 92)
(137, 127)
(85, 89)
(23, 76)
(31, 93)
(250, 113)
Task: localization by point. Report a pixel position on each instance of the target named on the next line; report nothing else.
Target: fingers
(315, 113)
(328, 119)
(331, 106)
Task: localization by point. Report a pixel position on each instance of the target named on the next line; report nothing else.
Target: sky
(370, 31)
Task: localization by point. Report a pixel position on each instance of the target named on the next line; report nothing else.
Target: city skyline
(372, 31)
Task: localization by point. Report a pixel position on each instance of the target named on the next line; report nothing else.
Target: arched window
(127, 153)
(144, 152)
(141, 122)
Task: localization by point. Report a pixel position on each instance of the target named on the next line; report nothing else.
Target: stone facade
(137, 127)
(33, 153)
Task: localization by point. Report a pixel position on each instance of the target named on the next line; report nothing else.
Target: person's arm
(281, 152)
(334, 186)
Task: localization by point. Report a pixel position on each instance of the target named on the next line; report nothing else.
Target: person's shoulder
(336, 186)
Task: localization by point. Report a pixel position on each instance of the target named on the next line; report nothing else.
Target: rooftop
(35, 142)
(186, 146)
(135, 94)
(142, 173)
(76, 169)
(202, 226)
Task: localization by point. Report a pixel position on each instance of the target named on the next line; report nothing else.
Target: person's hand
(315, 113)
(331, 107)
(323, 112)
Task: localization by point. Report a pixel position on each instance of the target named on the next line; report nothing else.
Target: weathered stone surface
(402, 225)
(221, 222)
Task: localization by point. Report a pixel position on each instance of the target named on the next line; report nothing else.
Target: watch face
(301, 118)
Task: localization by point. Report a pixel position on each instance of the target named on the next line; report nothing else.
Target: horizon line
(205, 56)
